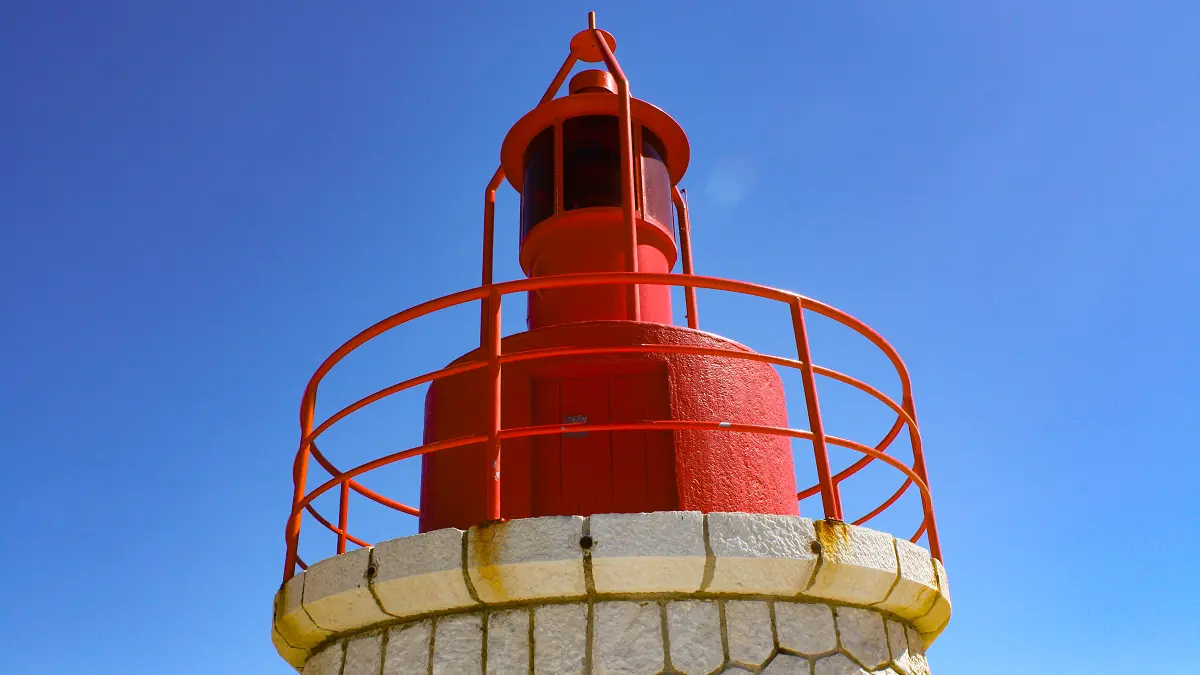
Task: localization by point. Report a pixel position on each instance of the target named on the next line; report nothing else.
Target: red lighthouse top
(603, 405)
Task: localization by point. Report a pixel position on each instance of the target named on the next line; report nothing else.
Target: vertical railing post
(830, 501)
(685, 251)
(628, 181)
(343, 516)
(492, 349)
(489, 238)
(914, 438)
(291, 533)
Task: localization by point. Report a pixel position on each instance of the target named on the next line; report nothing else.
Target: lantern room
(564, 158)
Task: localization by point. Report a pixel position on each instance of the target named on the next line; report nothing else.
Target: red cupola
(598, 172)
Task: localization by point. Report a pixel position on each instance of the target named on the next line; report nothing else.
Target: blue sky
(200, 201)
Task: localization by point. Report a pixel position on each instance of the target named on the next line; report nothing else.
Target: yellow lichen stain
(832, 535)
(488, 541)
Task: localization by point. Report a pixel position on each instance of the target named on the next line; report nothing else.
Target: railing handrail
(492, 294)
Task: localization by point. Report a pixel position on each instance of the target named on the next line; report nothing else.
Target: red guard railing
(490, 296)
(493, 361)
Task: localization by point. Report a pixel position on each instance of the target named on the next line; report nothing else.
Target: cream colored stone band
(633, 557)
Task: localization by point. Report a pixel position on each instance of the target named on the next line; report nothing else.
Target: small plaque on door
(575, 419)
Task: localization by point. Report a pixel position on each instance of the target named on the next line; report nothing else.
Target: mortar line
(666, 637)
(532, 644)
(345, 647)
(465, 570)
(432, 640)
(589, 575)
(724, 633)
(588, 638)
(384, 639)
(710, 559)
(486, 620)
(372, 572)
(818, 548)
(896, 581)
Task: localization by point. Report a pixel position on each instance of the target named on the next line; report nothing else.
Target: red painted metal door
(601, 472)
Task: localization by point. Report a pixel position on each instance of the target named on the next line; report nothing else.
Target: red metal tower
(604, 406)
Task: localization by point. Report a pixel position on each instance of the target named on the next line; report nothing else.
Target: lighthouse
(607, 492)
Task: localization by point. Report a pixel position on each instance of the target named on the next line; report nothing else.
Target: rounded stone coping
(671, 554)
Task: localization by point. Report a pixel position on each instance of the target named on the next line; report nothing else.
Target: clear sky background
(200, 201)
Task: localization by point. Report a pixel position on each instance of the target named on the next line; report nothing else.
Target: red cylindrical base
(593, 240)
(618, 472)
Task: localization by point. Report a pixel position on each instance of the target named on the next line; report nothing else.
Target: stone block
(786, 664)
(837, 664)
(364, 655)
(328, 661)
(628, 638)
(292, 622)
(420, 574)
(863, 636)
(898, 646)
(336, 594)
(916, 589)
(858, 565)
(748, 627)
(560, 639)
(648, 552)
(458, 645)
(916, 652)
(765, 554)
(934, 622)
(805, 628)
(527, 559)
(508, 642)
(694, 631)
(407, 650)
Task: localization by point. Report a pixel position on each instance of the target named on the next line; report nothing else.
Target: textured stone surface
(293, 623)
(916, 589)
(733, 670)
(837, 664)
(364, 654)
(694, 631)
(648, 552)
(804, 627)
(328, 661)
(528, 558)
(786, 664)
(407, 650)
(858, 565)
(422, 573)
(293, 655)
(458, 645)
(862, 635)
(916, 652)
(628, 638)
(761, 553)
(559, 639)
(336, 595)
(748, 627)
(898, 646)
(508, 642)
(938, 616)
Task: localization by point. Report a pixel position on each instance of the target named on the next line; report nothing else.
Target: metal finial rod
(591, 20)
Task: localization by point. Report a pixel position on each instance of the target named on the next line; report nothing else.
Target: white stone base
(668, 592)
(626, 637)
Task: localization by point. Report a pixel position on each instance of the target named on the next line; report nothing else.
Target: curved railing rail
(492, 360)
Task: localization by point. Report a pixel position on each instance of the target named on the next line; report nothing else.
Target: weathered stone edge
(929, 617)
